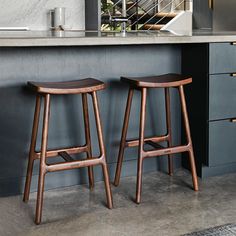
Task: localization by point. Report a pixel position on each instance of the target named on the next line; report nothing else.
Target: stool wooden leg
(102, 150)
(123, 137)
(88, 138)
(32, 149)
(169, 131)
(189, 140)
(141, 145)
(42, 168)
(107, 185)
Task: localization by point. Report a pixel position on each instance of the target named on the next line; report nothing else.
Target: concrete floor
(169, 207)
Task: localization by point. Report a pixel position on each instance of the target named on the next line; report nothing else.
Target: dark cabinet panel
(224, 15)
(212, 96)
(92, 15)
(195, 64)
(222, 58)
(202, 15)
(222, 96)
(222, 137)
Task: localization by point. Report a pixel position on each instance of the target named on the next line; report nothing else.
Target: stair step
(130, 4)
(152, 27)
(166, 14)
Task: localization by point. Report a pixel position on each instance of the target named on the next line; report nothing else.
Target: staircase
(167, 15)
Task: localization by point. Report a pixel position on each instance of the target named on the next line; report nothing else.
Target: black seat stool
(44, 91)
(143, 84)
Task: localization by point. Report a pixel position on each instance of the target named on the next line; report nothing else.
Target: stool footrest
(156, 139)
(54, 153)
(166, 151)
(65, 156)
(74, 164)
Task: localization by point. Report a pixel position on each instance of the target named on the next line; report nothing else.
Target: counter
(88, 38)
(41, 56)
(107, 63)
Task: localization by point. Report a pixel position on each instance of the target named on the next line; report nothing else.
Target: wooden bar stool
(45, 90)
(142, 84)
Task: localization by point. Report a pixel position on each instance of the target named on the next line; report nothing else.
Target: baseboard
(218, 170)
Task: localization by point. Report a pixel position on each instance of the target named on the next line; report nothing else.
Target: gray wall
(66, 124)
(34, 13)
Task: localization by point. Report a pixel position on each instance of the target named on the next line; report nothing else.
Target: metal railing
(138, 13)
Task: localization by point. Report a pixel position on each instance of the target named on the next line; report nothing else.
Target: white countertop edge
(106, 41)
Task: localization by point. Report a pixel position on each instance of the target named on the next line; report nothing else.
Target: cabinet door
(222, 96)
(222, 142)
(222, 58)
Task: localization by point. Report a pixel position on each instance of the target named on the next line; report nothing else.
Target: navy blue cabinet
(222, 96)
(222, 145)
(212, 105)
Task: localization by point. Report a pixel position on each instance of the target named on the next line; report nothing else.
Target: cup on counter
(57, 18)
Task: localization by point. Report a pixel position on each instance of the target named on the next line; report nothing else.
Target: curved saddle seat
(67, 87)
(161, 81)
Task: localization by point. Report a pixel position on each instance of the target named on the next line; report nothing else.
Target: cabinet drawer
(222, 96)
(222, 142)
(222, 58)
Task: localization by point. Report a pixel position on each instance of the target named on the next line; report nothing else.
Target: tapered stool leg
(102, 151)
(169, 131)
(88, 138)
(141, 145)
(107, 185)
(123, 137)
(42, 168)
(189, 140)
(32, 149)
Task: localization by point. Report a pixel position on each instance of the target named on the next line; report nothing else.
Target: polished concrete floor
(169, 207)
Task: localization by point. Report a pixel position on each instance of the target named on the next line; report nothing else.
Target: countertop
(94, 38)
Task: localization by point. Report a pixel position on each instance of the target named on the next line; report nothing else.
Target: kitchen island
(96, 38)
(61, 56)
